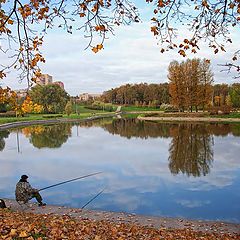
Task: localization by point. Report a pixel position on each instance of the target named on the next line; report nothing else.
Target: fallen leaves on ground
(19, 225)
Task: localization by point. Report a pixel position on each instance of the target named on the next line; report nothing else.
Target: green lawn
(231, 115)
(138, 109)
(84, 113)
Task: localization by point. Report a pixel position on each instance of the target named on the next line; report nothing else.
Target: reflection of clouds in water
(211, 182)
(132, 169)
(116, 158)
(193, 203)
(129, 202)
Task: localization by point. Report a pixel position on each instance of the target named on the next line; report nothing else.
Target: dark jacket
(24, 191)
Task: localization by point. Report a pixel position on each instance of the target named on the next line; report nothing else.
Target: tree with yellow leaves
(8, 98)
(29, 107)
(190, 84)
(20, 21)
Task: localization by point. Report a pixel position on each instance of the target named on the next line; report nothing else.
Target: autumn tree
(24, 24)
(29, 107)
(138, 94)
(206, 90)
(220, 93)
(8, 99)
(52, 97)
(190, 84)
(68, 108)
(177, 85)
(235, 95)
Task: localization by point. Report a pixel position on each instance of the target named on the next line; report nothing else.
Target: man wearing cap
(24, 192)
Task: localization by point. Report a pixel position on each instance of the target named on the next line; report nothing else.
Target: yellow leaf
(95, 49)
(13, 232)
(23, 234)
(99, 46)
(10, 21)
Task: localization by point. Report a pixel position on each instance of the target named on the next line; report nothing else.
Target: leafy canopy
(22, 20)
(52, 97)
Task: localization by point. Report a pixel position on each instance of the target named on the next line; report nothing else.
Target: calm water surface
(163, 169)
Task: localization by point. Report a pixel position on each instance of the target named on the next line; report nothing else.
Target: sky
(132, 55)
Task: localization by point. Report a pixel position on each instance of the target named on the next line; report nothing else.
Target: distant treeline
(190, 87)
(138, 94)
(156, 94)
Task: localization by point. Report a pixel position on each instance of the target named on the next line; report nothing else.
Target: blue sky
(132, 55)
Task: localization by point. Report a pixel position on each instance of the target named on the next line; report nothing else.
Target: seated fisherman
(24, 192)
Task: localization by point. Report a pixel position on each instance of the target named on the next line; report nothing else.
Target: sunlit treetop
(24, 23)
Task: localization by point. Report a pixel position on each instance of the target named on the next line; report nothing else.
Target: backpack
(2, 204)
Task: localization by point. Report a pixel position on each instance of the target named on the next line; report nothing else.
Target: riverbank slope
(93, 219)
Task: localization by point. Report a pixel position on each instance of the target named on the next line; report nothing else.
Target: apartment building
(88, 96)
(44, 79)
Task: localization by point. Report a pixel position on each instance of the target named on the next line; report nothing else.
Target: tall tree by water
(235, 95)
(190, 84)
(52, 97)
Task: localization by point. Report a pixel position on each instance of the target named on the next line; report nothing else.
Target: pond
(186, 170)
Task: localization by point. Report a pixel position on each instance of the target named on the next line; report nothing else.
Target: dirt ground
(149, 221)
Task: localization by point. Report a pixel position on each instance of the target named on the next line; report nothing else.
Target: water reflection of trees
(191, 150)
(136, 128)
(3, 134)
(48, 136)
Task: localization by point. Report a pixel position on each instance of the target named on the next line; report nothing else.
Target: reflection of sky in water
(136, 174)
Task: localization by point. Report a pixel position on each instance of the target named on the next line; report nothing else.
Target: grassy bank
(32, 117)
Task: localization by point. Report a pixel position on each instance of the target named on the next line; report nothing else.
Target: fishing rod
(71, 180)
(93, 198)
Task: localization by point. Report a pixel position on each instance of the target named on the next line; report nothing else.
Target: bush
(171, 111)
(151, 115)
(8, 114)
(168, 108)
(222, 110)
(101, 106)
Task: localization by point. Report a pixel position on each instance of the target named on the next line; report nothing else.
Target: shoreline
(155, 222)
(190, 119)
(50, 121)
(160, 119)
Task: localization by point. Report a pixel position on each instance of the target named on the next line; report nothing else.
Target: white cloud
(131, 56)
(193, 203)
